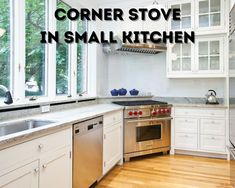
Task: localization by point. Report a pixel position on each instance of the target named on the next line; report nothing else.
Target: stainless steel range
(147, 127)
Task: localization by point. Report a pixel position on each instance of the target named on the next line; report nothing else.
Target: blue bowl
(122, 92)
(114, 92)
(134, 92)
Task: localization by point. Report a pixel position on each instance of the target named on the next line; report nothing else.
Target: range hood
(144, 48)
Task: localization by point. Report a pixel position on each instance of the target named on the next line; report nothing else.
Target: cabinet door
(180, 58)
(112, 147)
(56, 169)
(185, 141)
(210, 14)
(22, 177)
(212, 143)
(209, 55)
(187, 19)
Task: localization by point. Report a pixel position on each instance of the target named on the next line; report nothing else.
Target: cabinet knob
(40, 146)
(44, 165)
(36, 170)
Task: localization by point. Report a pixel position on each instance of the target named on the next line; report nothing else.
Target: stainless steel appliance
(87, 152)
(147, 127)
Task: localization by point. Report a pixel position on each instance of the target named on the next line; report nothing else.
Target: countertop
(63, 119)
(200, 105)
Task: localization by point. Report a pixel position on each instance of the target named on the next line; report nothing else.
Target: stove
(147, 125)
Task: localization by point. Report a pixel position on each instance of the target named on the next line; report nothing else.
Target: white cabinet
(200, 129)
(25, 176)
(205, 58)
(56, 169)
(112, 140)
(43, 162)
(210, 15)
(187, 15)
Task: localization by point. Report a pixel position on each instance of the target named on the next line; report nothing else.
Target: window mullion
(51, 51)
(19, 50)
(73, 63)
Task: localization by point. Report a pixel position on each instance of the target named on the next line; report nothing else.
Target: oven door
(146, 134)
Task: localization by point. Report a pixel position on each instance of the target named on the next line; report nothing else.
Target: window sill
(43, 101)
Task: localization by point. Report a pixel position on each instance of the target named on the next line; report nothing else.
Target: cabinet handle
(40, 146)
(213, 138)
(44, 165)
(36, 170)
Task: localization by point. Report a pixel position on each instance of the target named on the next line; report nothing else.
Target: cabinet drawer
(212, 127)
(186, 141)
(35, 148)
(186, 125)
(113, 118)
(204, 112)
(212, 143)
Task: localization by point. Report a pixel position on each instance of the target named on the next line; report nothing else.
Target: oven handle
(155, 119)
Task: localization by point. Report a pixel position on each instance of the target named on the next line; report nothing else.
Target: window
(62, 55)
(81, 61)
(35, 51)
(5, 47)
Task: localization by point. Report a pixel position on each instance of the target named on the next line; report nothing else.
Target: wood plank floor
(178, 171)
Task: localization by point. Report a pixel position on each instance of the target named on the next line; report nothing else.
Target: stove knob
(135, 113)
(161, 111)
(168, 110)
(154, 113)
(140, 113)
(130, 113)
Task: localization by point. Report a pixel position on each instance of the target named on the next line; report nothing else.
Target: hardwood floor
(178, 171)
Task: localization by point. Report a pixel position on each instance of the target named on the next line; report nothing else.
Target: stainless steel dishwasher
(87, 152)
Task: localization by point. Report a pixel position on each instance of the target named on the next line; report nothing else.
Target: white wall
(148, 74)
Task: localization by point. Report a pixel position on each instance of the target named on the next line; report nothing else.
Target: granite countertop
(200, 105)
(63, 119)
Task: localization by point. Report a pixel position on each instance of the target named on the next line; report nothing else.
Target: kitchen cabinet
(187, 15)
(205, 58)
(200, 130)
(210, 16)
(42, 162)
(112, 140)
(25, 176)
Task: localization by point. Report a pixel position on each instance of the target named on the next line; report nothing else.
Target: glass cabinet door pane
(176, 50)
(214, 63)
(175, 24)
(186, 64)
(215, 19)
(215, 5)
(204, 21)
(186, 9)
(176, 65)
(203, 63)
(203, 48)
(186, 22)
(214, 47)
(186, 50)
(203, 7)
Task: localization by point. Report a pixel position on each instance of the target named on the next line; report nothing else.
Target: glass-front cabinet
(187, 19)
(180, 58)
(210, 15)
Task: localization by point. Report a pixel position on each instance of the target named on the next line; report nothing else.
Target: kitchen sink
(18, 126)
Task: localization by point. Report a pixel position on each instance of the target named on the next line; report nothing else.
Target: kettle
(211, 97)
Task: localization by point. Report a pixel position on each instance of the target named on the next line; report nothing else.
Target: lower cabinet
(112, 140)
(25, 176)
(40, 163)
(200, 129)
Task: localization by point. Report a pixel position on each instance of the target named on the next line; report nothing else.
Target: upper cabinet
(210, 16)
(187, 18)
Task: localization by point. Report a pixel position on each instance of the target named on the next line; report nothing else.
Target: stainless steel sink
(14, 127)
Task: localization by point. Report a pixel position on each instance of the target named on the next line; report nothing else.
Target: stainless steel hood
(142, 48)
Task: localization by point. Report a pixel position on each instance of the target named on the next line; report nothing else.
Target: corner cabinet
(40, 163)
(112, 140)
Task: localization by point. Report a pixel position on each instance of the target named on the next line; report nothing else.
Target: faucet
(8, 97)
